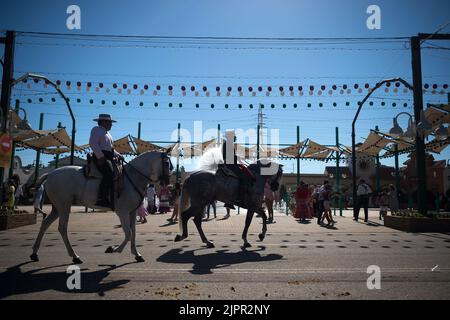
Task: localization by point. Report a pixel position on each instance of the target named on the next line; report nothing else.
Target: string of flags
(237, 90)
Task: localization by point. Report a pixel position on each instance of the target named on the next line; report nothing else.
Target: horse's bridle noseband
(167, 168)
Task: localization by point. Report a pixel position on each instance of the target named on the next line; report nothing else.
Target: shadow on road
(14, 281)
(205, 263)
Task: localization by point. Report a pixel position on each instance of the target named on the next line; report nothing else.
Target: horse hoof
(261, 237)
(77, 260)
(210, 245)
(109, 250)
(139, 259)
(34, 257)
(178, 238)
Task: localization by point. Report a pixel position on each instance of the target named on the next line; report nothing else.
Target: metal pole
(139, 130)
(218, 136)
(397, 172)
(406, 84)
(8, 72)
(418, 108)
(338, 175)
(178, 154)
(298, 157)
(57, 156)
(13, 152)
(38, 152)
(377, 172)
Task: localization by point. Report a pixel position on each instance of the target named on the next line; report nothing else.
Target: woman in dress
(164, 197)
(303, 198)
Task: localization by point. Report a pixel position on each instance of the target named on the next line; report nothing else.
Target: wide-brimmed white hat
(104, 116)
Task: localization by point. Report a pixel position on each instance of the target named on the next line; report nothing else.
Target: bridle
(167, 168)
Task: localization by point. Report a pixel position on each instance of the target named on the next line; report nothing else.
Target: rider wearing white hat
(102, 145)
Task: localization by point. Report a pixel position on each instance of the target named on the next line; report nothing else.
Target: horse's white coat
(67, 185)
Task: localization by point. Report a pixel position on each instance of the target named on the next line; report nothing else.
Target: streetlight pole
(13, 151)
(7, 78)
(38, 151)
(378, 85)
(66, 100)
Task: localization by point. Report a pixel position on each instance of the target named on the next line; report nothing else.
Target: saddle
(228, 172)
(91, 171)
(245, 178)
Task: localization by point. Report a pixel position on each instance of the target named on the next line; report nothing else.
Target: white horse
(67, 185)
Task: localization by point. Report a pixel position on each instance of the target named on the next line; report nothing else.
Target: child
(142, 212)
(327, 195)
(384, 204)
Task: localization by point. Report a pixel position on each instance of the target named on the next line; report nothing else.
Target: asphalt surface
(295, 261)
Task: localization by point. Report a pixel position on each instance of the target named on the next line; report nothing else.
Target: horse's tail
(42, 179)
(183, 205)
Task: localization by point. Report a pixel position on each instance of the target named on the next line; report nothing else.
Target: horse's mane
(258, 164)
(147, 155)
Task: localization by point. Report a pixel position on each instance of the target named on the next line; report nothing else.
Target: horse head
(167, 168)
(269, 171)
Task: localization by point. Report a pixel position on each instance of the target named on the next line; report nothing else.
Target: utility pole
(259, 131)
(7, 78)
(178, 154)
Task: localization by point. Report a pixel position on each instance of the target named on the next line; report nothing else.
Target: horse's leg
(198, 224)
(44, 226)
(184, 218)
(62, 228)
(248, 221)
(262, 235)
(126, 226)
(134, 251)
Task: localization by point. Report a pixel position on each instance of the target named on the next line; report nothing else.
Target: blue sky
(225, 64)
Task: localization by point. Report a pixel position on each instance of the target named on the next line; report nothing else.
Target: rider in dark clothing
(232, 164)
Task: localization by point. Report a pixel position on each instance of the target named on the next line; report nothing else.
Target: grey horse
(203, 187)
(68, 185)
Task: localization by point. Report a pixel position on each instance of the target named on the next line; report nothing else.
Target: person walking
(393, 199)
(18, 195)
(320, 198)
(363, 192)
(213, 205)
(38, 200)
(151, 199)
(327, 196)
(176, 200)
(383, 201)
(303, 198)
(269, 197)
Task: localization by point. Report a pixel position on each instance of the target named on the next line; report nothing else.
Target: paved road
(295, 261)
